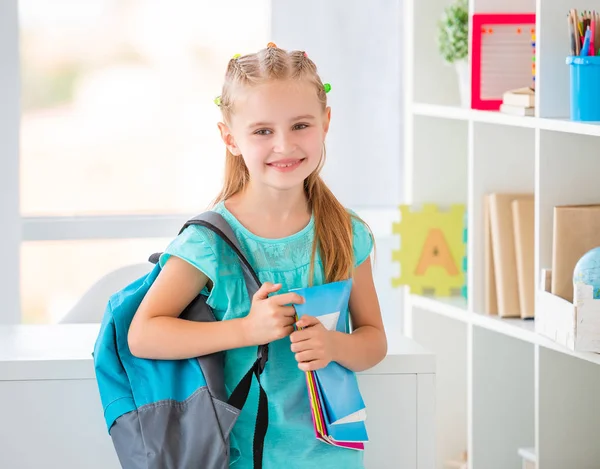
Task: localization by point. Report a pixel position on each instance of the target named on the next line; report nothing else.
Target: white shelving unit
(501, 386)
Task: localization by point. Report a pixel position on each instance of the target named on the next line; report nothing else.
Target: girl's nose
(284, 144)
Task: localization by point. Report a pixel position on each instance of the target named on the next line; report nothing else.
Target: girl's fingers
(312, 365)
(307, 356)
(302, 346)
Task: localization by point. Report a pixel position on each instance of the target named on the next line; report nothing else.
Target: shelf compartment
(568, 412)
(502, 399)
(446, 338)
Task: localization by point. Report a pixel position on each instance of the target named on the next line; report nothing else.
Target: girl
(294, 233)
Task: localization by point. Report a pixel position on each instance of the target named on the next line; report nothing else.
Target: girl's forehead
(276, 99)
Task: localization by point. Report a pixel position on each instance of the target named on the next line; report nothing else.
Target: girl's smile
(286, 165)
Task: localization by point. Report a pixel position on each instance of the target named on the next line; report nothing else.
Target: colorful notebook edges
(337, 407)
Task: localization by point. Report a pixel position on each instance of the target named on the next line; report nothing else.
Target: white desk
(51, 415)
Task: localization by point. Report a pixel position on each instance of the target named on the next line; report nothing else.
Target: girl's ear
(326, 119)
(228, 139)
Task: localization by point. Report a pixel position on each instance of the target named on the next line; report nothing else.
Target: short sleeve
(195, 247)
(362, 240)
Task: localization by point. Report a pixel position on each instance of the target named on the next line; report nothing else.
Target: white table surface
(53, 416)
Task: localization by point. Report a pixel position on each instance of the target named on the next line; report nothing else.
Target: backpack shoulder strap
(217, 224)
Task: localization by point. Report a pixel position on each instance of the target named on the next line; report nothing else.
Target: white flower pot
(463, 72)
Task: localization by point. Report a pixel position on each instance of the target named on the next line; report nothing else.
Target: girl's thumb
(265, 289)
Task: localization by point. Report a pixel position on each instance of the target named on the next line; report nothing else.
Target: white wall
(10, 223)
(357, 46)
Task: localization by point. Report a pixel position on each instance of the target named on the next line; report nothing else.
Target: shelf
(459, 113)
(494, 117)
(569, 126)
(456, 308)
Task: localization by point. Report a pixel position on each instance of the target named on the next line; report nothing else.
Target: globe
(587, 270)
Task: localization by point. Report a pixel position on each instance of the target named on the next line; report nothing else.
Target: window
(118, 119)
(56, 274)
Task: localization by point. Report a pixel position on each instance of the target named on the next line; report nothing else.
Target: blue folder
(343, 403)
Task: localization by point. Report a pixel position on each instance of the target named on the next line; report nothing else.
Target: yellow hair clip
(217, 101)
(236, 56)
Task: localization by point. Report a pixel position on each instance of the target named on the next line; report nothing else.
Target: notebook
(337, 405)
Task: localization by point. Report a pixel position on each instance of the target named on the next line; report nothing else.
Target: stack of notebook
(519, 102)
(338, 409)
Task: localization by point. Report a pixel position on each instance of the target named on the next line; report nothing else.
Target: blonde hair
(333, 225)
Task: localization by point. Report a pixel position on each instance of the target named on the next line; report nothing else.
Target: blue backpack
(173, 414)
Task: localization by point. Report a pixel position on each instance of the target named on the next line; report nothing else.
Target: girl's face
(278, 129)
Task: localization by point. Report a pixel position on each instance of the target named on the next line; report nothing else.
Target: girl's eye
(263, 132)
(300, 126)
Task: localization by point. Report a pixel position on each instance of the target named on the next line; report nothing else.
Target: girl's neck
(271, 203)
(270, 213)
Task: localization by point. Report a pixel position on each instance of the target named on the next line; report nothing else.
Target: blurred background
(117, 140)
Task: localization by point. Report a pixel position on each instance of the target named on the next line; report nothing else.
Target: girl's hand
(270, 318)
(313, 345)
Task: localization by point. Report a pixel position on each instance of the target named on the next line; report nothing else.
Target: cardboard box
(575, 326)
(528, 458)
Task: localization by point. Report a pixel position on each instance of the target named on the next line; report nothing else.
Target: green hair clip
(217, 101)
(326, 87)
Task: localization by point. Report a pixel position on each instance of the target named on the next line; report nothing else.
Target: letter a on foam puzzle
(431, 250)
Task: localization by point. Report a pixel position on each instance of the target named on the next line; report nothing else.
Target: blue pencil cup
(585, 87)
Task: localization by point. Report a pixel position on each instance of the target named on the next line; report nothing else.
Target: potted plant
(453, 43)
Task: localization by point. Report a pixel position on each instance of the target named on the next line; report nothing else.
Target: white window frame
(10, 231)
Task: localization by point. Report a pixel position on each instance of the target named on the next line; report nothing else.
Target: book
(523, 220)
(491, 298)
(520, 97)
(339, 412)
(350, 435)
(504, 252)
(517, 110)
(576, 230)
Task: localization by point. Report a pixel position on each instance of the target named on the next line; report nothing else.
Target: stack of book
(519, 102)
(509, 254)
(338, 410)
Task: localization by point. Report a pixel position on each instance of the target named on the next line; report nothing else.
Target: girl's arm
(156, 332)
(367, 345)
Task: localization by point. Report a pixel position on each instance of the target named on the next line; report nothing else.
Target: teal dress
(290, 440)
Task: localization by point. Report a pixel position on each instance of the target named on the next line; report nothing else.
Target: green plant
(453, 37)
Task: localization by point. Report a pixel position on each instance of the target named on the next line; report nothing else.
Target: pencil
(596, 23)
(571, 33)
(592, 36)
(576, 30)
